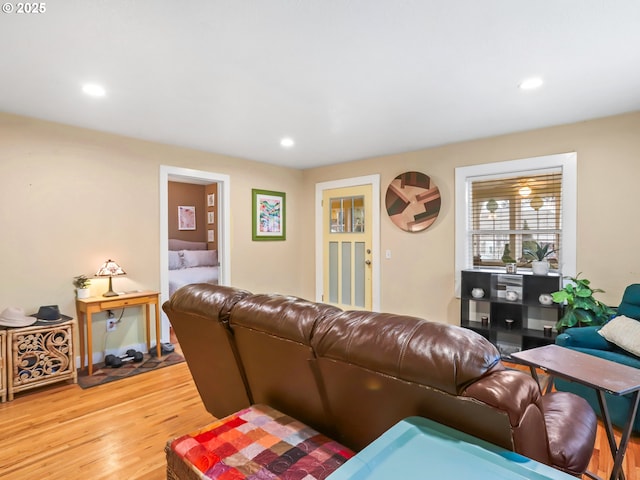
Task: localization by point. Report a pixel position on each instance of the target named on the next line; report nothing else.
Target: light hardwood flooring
(119, 430)
(602, 462)
(113, 431)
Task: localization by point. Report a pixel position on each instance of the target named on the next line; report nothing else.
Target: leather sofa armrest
(517, 394)
(571, 427)
(508, 390)
(583, 337)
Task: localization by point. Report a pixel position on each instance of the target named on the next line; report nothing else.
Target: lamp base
(110, 292)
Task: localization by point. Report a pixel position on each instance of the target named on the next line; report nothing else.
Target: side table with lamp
(110, 269)
(111, 300)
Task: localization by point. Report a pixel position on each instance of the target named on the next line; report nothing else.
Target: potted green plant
(537, 254)
(581, 308)
(82, 282)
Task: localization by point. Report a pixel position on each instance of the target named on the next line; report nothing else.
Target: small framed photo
(211, 200)
(268, 215)
(211, 217)
(210, 237)
(186, 218)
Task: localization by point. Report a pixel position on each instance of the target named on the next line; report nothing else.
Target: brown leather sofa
(352, 375)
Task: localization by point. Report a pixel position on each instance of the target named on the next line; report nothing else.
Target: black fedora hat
(50, 313)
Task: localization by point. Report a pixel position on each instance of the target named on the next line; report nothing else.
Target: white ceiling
(347, 79)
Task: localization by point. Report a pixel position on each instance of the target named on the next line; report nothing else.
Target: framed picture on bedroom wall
(186, 218)
(268, 215)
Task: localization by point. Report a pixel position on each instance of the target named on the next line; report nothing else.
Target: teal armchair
(587, 340)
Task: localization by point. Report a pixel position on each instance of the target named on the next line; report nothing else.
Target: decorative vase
(82, 293)
(540, 267)
(477, 293)
(511, 295)
(545, 299)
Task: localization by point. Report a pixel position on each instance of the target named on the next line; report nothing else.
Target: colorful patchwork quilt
(259, 443)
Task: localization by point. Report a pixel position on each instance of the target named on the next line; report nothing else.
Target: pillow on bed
(177, 245)
(175, 260)
(624, 332)
(200, 258)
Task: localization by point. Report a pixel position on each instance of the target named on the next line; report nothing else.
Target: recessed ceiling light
(531, 83)
(94, 90)
(287, 142)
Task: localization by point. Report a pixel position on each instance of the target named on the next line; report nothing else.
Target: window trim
(566, 161)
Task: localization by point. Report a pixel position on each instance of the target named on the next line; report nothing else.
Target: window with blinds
(508, 214)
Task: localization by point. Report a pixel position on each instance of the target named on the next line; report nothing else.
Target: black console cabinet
(513, 297)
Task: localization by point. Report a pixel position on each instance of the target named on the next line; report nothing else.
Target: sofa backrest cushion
(273, 336)
(199, 314)
(207, 300)
(378, 368)
(283, 316)
(442, 356)
(630, 304)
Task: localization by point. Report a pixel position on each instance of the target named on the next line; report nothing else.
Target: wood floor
(118, 430)
(113, 431)
(602, 463)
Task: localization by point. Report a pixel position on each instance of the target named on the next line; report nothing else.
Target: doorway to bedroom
(193, 244)
(194, 231)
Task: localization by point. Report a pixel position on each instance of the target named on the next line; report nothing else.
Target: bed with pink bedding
(191, 262)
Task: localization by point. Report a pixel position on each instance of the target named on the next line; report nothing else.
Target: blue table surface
(420, 448)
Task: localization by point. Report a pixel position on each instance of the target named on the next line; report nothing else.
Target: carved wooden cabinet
(40, 354)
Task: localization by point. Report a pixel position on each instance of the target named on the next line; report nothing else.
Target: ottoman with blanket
(256, 442)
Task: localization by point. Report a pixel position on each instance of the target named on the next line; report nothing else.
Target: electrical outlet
(112, 323)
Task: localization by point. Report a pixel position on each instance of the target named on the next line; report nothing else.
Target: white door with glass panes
(347, 247)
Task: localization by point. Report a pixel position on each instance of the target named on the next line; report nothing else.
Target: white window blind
(508, 213)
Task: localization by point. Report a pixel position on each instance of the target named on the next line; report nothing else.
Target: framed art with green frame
(268, 217)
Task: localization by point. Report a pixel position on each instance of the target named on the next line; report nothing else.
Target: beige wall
(187, 194)
(73, 197)
(419, 278)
